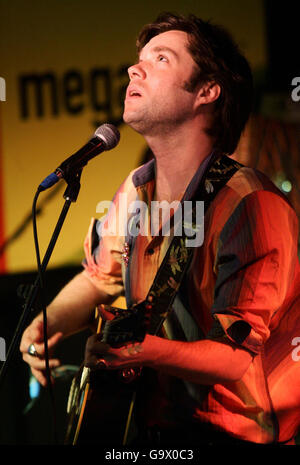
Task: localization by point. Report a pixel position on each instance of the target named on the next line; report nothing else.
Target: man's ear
(209, 92)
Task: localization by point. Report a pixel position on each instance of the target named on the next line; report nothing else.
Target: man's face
(156, 99)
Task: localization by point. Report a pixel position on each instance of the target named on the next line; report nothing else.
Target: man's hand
(34, 334)
(202, 362)
(99, 355)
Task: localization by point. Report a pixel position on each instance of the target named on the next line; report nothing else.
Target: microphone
(106, 137)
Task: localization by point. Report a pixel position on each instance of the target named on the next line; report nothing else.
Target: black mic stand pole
(70, 195)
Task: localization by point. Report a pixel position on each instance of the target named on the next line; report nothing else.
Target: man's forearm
(72, 309)
(203, 362)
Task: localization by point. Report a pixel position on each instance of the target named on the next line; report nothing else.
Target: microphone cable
(44, 311)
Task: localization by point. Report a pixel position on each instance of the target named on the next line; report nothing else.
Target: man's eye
(162, 58)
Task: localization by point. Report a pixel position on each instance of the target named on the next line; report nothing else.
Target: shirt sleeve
(103, 247)
(255, 260)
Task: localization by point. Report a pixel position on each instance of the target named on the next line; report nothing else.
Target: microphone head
(109, 134)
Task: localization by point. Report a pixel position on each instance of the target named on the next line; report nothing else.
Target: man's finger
(41, 377)
(40, 363)
(52, 341)
(105, 314)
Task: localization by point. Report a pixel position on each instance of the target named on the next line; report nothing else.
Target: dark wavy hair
(218, 60)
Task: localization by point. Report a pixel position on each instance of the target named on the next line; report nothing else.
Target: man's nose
(136, 71)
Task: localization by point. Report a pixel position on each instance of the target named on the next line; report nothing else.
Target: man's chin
(128, 118)
(135, 124)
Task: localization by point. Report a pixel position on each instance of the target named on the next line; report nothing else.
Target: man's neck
(177, 160)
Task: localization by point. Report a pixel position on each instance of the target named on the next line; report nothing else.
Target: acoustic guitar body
(101, 401)
(101, 412)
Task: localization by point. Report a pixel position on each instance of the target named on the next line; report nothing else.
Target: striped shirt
(243, 280)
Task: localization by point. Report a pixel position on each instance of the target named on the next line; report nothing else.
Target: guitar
(100, 403)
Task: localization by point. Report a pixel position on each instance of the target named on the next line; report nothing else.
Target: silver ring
(32, 350)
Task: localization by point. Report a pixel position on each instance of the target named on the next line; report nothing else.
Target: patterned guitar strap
(180, 252)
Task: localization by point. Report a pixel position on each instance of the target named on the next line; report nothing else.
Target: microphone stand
(70, 195)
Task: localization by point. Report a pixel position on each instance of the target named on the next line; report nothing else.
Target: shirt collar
(146, 173)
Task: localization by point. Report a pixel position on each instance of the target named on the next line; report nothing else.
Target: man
(222, 370)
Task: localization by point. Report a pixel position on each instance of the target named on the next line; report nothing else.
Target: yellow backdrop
(64, 64)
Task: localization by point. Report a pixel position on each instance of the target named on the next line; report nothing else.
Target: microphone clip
(73, 186)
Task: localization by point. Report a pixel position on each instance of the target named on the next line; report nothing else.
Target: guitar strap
(179, 255)
(180, 252)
